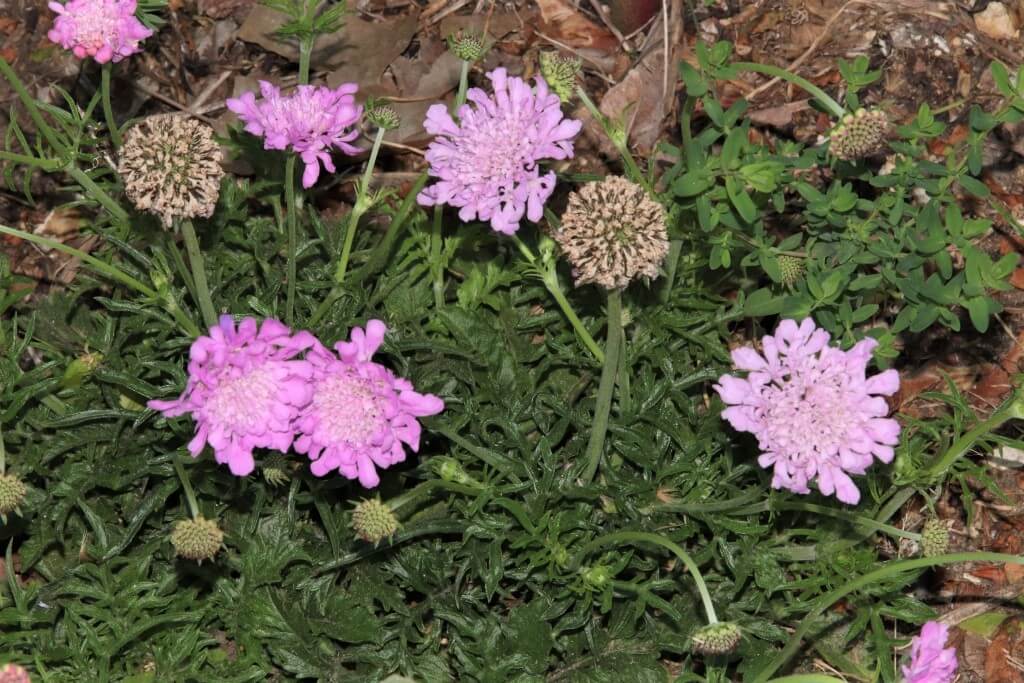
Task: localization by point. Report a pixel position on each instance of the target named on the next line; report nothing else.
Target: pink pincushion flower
(106, 30)
(361, 413)
(815, 413)
(487, 163)
(930, 660)
(311, 121)
(12, 673)
(245, 390)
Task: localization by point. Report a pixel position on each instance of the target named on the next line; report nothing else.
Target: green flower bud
(560, 73)
(792, 269)
(275, 470)
(12, 493)
(197, 539)
(934, 538)
(79, 369)
(859, 135)
(383, 116)
(466, 46)
(717, 639)
(373, 521)
(596, 577)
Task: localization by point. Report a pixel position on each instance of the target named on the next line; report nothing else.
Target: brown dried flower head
(859, 135)
(613, 233)
(171, 167)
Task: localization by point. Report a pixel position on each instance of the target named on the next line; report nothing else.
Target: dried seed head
(613, 233)
(934, 538)
(12, 492)
(197, 539)
(466, 46)
(373, 521)
(560, 73)
(792, 269)
(859, 135)
(717, 639)
(171, 167)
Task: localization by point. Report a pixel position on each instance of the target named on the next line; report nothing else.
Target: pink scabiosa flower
(245, 389)
(12, 673)
(815, 413)
(930, 660)
(361, 413)
(106, 30)
(487, 164)
(311, 121)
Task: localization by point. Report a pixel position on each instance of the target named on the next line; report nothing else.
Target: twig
(607, 22)
(404, 148)
(207, 91)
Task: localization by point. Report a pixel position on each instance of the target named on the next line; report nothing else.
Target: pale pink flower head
(311, 121)
(487, 163)
(361, 414)
(245, 389)
(106, 30)
(12, 673)
(816, 414)
(930, 660)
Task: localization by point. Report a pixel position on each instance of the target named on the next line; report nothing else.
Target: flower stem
(3, 453)
(460, 96)
(807, 678)
(97, 193)
(872, 578)
(435, 259)
(857, 520)
(612, 347)
(198, 266)
(190, 494)
(826, 101)
(305, 52)
(360, 208)
(289, 199)
(47, 165)
(1011, 408)
(620, 537)
(108, 111)
(618, 138)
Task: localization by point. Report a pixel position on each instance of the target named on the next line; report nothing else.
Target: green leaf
(741, 200)
(974, 186)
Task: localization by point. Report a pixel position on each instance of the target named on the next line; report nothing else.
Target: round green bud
(466, 46)
(859, 135)
(12, 493)
(717, 639)
(792, 269)
(934, 538)
(384, 116)
(197, 539)
(560, 73)
(373, 521)
(596, 577)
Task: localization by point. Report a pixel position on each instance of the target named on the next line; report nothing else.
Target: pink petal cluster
(361, 413)
(12, 673)
(311, 121)
(815, 413)
(106, 30)
(263, 386)
(930, 660)
(487, 163)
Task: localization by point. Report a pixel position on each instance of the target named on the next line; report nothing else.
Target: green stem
(550, 280)
(305, 52)
(602, 410)
(428, 529)
(30, 105)
(1010, 409)
(643, 537)
(618, 139)
(3, 453)
(47, 165)
(198, 266)
(858, 520)
(869, 579)
(834, 107)
(361, 206)
(807, 678)
(685, 121)
(97, 193)
(435, 259)
(190, 494)
(108, 111)
(293, 218)
(460, 96)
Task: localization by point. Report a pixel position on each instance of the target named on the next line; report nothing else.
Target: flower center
(496, 150)
(807, 417)
(96, 24)
(244, 403)
(349, 407)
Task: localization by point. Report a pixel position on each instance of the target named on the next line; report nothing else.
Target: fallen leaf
(1000, 667)
(640, 99)
(500, 24)
(631, 15)
(567, 24)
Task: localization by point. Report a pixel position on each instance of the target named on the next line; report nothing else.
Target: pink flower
(361, 414)
(12, 673)
(106, 30)
(815, 413)
(311, 121)
(487, 163)
(244, 390)
(930, 660)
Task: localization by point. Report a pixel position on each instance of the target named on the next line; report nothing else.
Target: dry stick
(601, 11)
(796, 63)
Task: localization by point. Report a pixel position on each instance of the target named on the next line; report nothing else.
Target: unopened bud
(717, 639)
(466, 46)
(373, 521)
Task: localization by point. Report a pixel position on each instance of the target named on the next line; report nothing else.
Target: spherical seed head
(384, 116)
(12, 493)
(560, 73)
(613, 233)
(12, 673)
(466, 46)
(373, 521)
(792, 269)
(717, 639)
(859, 135)
(197, 539)
(170, 166)
(934, 538)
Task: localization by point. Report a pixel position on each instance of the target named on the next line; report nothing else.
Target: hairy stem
(198, 266)
(98, 194)
(618, 138)
(435, 259)
(108, 111)
(1010, 409)
(190, 494)
(359, 209)
(602, 410)
(293, 219)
